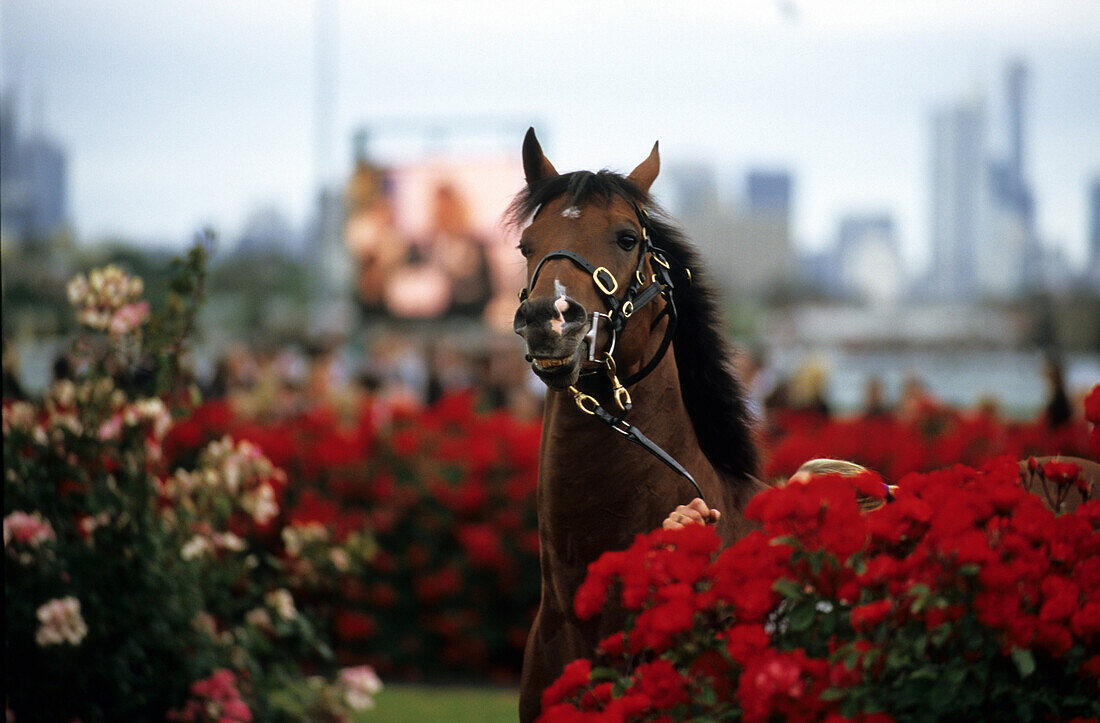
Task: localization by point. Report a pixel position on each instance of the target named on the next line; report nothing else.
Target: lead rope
(588, 404)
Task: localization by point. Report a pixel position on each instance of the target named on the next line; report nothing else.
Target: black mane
(712, 393)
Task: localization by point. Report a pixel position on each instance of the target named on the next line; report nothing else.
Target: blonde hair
(824, 465)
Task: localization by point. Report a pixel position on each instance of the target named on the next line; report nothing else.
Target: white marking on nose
(571, 212)
(561, 304)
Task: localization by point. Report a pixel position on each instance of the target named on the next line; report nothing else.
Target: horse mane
(713, 395)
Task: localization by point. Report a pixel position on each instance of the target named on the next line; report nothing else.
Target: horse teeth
(550, 363)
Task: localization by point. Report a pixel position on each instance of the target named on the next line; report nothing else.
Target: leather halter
(638, 294)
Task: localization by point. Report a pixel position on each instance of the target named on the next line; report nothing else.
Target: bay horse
(612, 287)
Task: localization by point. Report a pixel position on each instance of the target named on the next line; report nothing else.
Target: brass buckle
(659, 259)
(580, 398)
(640, 277)
(622, 396)
(601, 285)
(627, 309)
(688, 272)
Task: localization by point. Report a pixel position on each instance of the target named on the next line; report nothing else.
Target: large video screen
(428, 241)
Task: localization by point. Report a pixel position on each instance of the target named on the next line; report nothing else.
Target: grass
(398, 703)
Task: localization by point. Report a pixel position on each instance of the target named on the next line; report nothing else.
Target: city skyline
(176, 118)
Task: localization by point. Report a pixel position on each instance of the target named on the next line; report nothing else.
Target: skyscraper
(1016, 82)
(769, 192)
(1014, 205)
(958, 196)
(1094, 225)
(33, 180)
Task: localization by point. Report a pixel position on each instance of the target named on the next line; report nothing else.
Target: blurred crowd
(401, 371)
(395, 372)
(806, 389)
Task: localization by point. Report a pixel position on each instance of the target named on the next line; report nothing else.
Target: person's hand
(695, 512)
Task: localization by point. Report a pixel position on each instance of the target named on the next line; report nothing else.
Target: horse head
(587, 257)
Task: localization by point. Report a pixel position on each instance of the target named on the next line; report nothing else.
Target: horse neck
(598, 489)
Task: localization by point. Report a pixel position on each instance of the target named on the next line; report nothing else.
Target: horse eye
(627, 240)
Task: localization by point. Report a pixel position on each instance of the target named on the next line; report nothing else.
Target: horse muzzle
(554, 330)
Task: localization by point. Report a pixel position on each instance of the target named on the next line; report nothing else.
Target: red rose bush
(966, 598)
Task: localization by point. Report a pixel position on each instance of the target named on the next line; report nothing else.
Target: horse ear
(535, 165)
(646, 173)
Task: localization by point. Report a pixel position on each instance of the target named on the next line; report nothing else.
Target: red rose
(655, 628)
(1085, 621)
(1092, 405)
(865, 617)
(662, 684)
(1061, 473)
(352, 626)
(591, 595)
(483, 545)
(1091, 667)
(574, 677)
(1061, 598)
(744, 642)
(1054, 638)
(711, 667)
(613, 645)
(597, 698)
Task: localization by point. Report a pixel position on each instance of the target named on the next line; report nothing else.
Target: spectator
(874, 404)
(1058, 410)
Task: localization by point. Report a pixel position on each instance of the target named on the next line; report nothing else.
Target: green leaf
(1024, 660)
(924, 674)
(801, 618)
(788, 588)
(604, 673)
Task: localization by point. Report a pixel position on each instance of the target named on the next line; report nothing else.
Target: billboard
(427, 240)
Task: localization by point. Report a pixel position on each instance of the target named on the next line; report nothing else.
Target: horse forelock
(713, 395)
(579, 187)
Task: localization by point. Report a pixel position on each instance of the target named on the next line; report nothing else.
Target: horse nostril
(519, 321)
(574, 313)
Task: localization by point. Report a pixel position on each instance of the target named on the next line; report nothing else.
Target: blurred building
(769, 193)
(983, 212)
(869, 259)
(1008, 256)
(332, 270)
(33, 180)
(267, 230)
(958, 197)
(1092, 273)
(746, 241)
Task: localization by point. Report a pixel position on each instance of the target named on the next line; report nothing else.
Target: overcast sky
(186, 112)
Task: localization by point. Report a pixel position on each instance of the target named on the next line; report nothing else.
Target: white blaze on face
(560, 306)
(571, 212)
